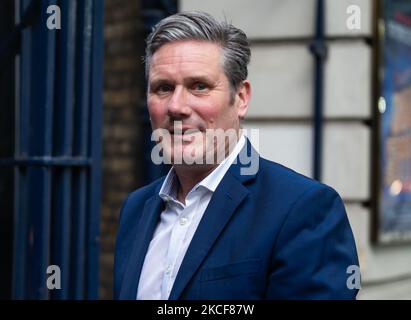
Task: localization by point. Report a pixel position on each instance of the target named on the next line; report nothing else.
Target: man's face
(187, 86)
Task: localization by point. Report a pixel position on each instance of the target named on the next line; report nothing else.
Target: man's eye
(200, 86)
(164, 88)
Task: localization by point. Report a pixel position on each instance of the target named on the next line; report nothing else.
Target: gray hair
(196, 25)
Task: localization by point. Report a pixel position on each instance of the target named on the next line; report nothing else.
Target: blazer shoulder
(135, 201)
(277, 176)
(146, 191)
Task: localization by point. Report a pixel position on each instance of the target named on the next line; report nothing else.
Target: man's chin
(185, 155)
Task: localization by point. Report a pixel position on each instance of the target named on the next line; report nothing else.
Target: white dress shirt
(178, 223)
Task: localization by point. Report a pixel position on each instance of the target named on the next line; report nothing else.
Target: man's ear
(243, 96)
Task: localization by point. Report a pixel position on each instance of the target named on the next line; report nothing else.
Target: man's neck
(189, 176)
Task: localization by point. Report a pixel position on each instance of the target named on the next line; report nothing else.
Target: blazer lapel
(226, 198)
(145, 230)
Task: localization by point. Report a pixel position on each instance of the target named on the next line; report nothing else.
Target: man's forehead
(193, 58)
(187, 51)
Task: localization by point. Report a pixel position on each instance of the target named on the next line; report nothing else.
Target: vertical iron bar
(23, 99)
(63, 145)
(80, 146)
(319, 50)
(42, 90)
(95, 151)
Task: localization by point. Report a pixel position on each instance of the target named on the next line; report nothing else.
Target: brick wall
(122, 145)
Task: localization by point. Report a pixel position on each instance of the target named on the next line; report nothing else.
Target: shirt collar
(169, 187)
(212, 181)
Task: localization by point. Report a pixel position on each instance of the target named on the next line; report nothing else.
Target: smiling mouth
(185, 135)
(184, 131)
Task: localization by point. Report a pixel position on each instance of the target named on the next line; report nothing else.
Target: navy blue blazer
(274, 234)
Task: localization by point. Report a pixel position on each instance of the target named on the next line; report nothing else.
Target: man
(210, 229)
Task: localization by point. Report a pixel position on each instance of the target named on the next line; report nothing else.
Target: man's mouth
(186, 134)
(184, 131)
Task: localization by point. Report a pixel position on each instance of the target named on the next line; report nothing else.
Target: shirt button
(183, 221)
(168, 270)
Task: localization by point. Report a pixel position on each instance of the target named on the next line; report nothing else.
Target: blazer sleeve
(313, 250)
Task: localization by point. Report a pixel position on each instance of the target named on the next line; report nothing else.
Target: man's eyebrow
(159, 81)
(188, 80)
(198, 78)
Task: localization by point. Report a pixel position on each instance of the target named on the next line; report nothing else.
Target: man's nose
(177, 105)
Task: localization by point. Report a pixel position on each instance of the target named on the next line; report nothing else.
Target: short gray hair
(196, 25)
